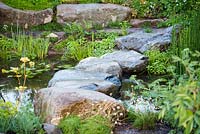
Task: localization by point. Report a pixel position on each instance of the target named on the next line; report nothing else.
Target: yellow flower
(18, 76)
(24, 59)
(31, 64)
(14, 69)
(21, 88)
(4, 71)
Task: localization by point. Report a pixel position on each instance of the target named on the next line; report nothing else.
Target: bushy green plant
(70, 125)
(187, 37)
(143, 120)
(187, 91)
(77, 49)
(7, 113)
(179, 97)
(30, 47)
(6, 47)
(158, 62)
(95, 124)
(25, 121)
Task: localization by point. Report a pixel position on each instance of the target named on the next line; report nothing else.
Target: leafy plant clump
(19, 121)
(179, 96)
(76, 125)
(158, 62)
(77, 49)
(22, 45)
(143, 120)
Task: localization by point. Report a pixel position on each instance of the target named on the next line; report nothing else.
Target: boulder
(97, 14)
(130, 61)
(79, 79)
(94, 64)
(9, 15)
(52, 104)
(145, 22)
(142, 41)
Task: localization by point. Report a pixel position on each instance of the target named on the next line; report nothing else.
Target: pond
(8, 85)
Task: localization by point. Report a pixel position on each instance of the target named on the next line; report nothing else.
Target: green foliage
(187, 92)
(25, 121)
(6, 47)
(179, 97)
(188, 37)
(158, 62)
(74, 125)
(140, 120)
(53, 26)
(30, 47)
(70, 125)
(77, 30)
(21, 121)
(23, 45)
(162, 8)
(97, 124)
(77, 49)
(32, 4)
(7, 112)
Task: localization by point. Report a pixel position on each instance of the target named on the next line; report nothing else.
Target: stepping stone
(141, 41)
(94, 64)
(79, 79)
(129, 61)
(97, 14)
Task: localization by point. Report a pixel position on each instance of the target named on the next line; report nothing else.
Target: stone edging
(9, 15)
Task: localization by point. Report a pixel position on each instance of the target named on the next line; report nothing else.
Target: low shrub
(76, 125)
(143, 120)
(158, 62)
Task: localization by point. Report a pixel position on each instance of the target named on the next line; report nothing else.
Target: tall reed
(188, 36)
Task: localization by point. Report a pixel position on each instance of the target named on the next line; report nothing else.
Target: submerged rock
(142, 41)
(97, 14)
(54, 103)
(94, 64)
(79, 79)
(9, 15)
(129, 61)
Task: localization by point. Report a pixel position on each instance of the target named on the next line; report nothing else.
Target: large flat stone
(142, 41)
(9, 15)
(94, 64)
(129, 61)
(97, 14)
(52, 104)
(79, 79)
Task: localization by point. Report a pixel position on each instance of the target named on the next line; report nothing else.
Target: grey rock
(94, 64)
(97, 14)
(142, 41)
(52, 104)
(9, 15)
(130, 61)
(102, 82)
(143, 22)
(51, 129)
